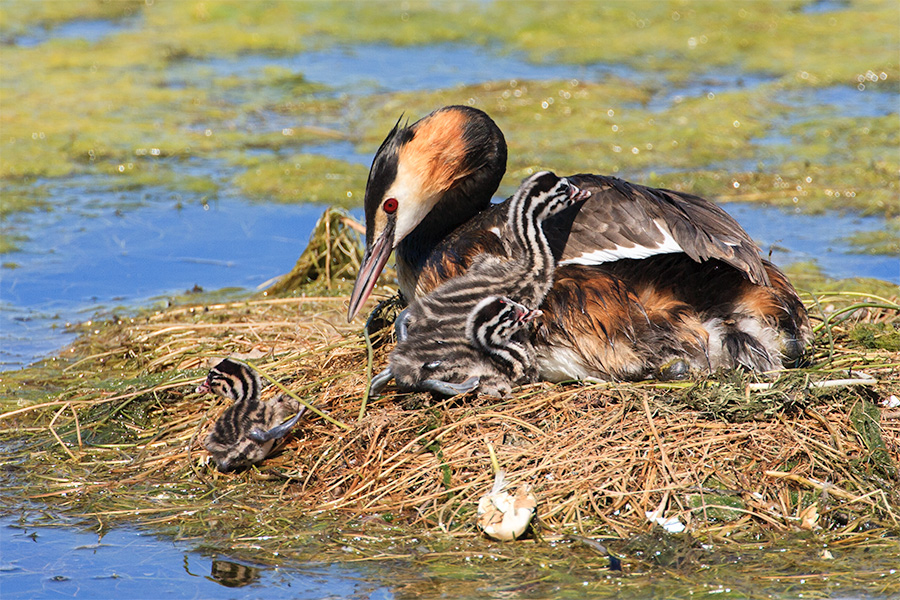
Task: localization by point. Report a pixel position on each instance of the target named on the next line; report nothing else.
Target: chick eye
(432, 365)
(390, 206)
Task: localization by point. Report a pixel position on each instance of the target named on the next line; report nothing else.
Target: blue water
(374, 68)
(788, 237)
(89, 30)
(841, 100)
(824, 6)
(51, 562)
(87, 255)
(345, 151)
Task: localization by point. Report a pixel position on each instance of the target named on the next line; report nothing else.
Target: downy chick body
(434, 352)
(499, 327)
(491, 352)
(245, 433)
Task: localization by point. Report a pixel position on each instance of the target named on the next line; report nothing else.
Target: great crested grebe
(438, 348)
(247, 430)
(649, 282)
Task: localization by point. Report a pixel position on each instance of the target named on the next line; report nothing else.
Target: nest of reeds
(113, 428)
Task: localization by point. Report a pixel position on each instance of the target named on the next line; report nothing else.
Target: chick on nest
(247, 430)
(436, 350)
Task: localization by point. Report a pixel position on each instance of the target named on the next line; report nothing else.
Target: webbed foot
(401, 325)
(276, 433)
(673, 370)
(449, 389)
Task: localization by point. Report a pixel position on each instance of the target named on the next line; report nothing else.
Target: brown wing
(619, 221)
(624, 220)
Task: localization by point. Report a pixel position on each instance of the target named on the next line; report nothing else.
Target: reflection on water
(232, 574)
(48, 562)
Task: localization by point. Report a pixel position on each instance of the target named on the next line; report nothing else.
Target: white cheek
(411, 200)
(410, 213)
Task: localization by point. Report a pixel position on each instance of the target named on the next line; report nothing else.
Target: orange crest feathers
(438, 151)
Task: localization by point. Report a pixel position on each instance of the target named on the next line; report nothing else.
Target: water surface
(787, 237)
(52, 562)
(92, 256)
(89, 30)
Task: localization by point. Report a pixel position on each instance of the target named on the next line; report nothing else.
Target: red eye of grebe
(390, 205)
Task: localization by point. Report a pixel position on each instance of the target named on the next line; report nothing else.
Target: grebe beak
(373, 263)
(450, 389)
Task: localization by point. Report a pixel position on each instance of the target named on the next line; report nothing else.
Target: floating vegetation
(714, 145)
(119, 105)
(113, 429)
(877, 335)
(851, 44)
(305, 178)
(886, 241)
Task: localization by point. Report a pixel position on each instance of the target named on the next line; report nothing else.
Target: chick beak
(373, 263)
(577, 194)
(203, 388)
(526, 316)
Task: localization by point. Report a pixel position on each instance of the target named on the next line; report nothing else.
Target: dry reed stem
(55, 435)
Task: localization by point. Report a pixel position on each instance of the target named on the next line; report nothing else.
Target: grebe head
(495, 319)
(429, 177)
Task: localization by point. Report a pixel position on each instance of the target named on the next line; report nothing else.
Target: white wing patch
(596, 257)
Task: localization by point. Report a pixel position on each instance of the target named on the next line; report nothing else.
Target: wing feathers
(623, 220)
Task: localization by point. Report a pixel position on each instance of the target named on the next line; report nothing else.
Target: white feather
(667, 246)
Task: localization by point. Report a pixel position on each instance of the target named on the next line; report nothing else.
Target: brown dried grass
(119, 422)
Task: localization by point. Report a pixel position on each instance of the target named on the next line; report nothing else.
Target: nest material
(119, 433)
